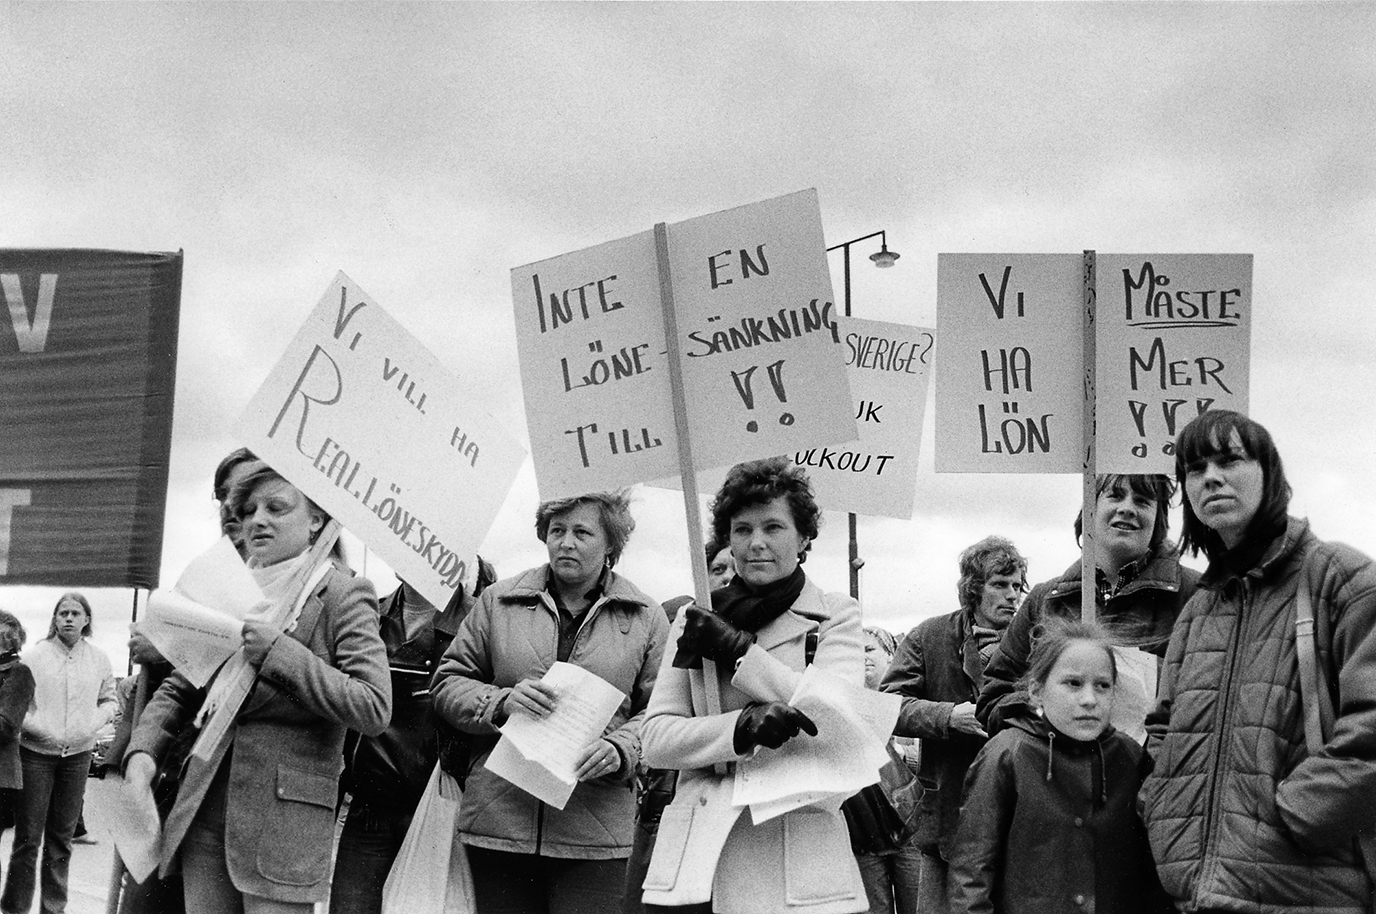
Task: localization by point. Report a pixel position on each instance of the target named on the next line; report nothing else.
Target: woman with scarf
(764, 628)
(1241, 814)
(254, 818)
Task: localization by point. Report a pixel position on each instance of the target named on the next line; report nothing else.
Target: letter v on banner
(31, 334)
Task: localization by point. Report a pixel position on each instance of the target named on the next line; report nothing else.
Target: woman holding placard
(527, 856)
(1243, 812)
(765, 627)
(253, 821)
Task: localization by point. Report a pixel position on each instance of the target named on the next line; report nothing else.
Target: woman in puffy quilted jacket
(1241, 816)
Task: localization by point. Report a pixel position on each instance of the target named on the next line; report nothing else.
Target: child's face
(1077, 697)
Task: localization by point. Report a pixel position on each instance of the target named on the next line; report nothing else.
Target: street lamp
(882, 258)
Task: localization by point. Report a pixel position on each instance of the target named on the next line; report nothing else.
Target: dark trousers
(54, 787)
(506, 883)
(367, 847)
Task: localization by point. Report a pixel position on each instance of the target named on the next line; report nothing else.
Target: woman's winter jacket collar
(1161, 573)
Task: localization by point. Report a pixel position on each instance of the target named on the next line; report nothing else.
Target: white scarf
(273, 580)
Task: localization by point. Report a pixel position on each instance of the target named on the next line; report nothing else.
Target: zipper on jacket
(1225, 697)
(539, 825)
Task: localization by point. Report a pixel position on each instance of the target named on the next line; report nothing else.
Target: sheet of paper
(194, 638)
(853, 725)
(219, 578)
(1135, 695)
(197, 625)
(138, 832)
(584, 706)
(506, 761)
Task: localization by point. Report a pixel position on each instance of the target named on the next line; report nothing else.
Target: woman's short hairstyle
(1210, 434)
(254, 476)
(75, 598)
(1158, 487)
(884, 638)
(11, 621)
(613, 510)
(1059, 634)
(759, 482)
(257, 474)
(232, 460)
(711, 548)
(980, 562)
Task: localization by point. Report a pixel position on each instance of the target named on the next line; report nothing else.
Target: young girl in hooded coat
(1049, 822)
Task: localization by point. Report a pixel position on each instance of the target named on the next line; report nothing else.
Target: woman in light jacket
(74, 696)
(253, 821)
(526, 856)
(759, 632)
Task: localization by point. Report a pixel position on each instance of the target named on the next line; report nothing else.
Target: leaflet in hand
(198, 625)
(853, 724)
(541, 755)
(1134, 696)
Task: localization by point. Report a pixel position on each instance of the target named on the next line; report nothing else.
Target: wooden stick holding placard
(1089, 561)
(702, 590)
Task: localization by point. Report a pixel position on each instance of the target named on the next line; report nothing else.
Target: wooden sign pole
(1088, 551)
(702, 590)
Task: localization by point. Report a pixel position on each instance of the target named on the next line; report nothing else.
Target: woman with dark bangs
(1140, 585)
(1241, 815)
(763, 629)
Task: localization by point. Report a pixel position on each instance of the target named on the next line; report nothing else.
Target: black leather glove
(706, 634)
(769, 725)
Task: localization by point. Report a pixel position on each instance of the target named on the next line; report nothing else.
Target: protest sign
(1174, 339)
(590, 336)
(1009, 395)
(763, 369)
(888, 366)
(88, 355)
(363, 419)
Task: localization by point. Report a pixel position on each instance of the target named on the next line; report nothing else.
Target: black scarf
(752, 608)
(1247, 554)
(748, 608)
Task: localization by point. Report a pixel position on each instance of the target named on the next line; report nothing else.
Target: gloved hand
(769, 725)
(705, 634)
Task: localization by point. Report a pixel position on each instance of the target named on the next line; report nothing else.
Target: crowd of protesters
(1184, 746)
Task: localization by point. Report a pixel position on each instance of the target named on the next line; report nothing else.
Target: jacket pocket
(816, 845)
(675, 825)
(295, 845)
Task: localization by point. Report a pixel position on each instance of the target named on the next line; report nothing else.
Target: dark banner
(88, 356)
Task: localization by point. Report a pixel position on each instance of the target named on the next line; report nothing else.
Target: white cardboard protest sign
(763, 366)
(364, 420)
(1009, 393)
(888, 366)
(762, 363)
(590, 335)
(1174, 339)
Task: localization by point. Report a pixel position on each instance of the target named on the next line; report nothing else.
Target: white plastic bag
(431, 874)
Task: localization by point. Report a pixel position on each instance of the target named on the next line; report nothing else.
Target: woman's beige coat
(705, 846)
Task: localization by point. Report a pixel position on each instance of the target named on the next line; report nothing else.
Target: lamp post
(882, 258)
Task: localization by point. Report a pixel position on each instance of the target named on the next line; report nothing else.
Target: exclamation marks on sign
(744, 386)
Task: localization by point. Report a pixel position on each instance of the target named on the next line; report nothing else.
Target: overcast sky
(428, 149)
